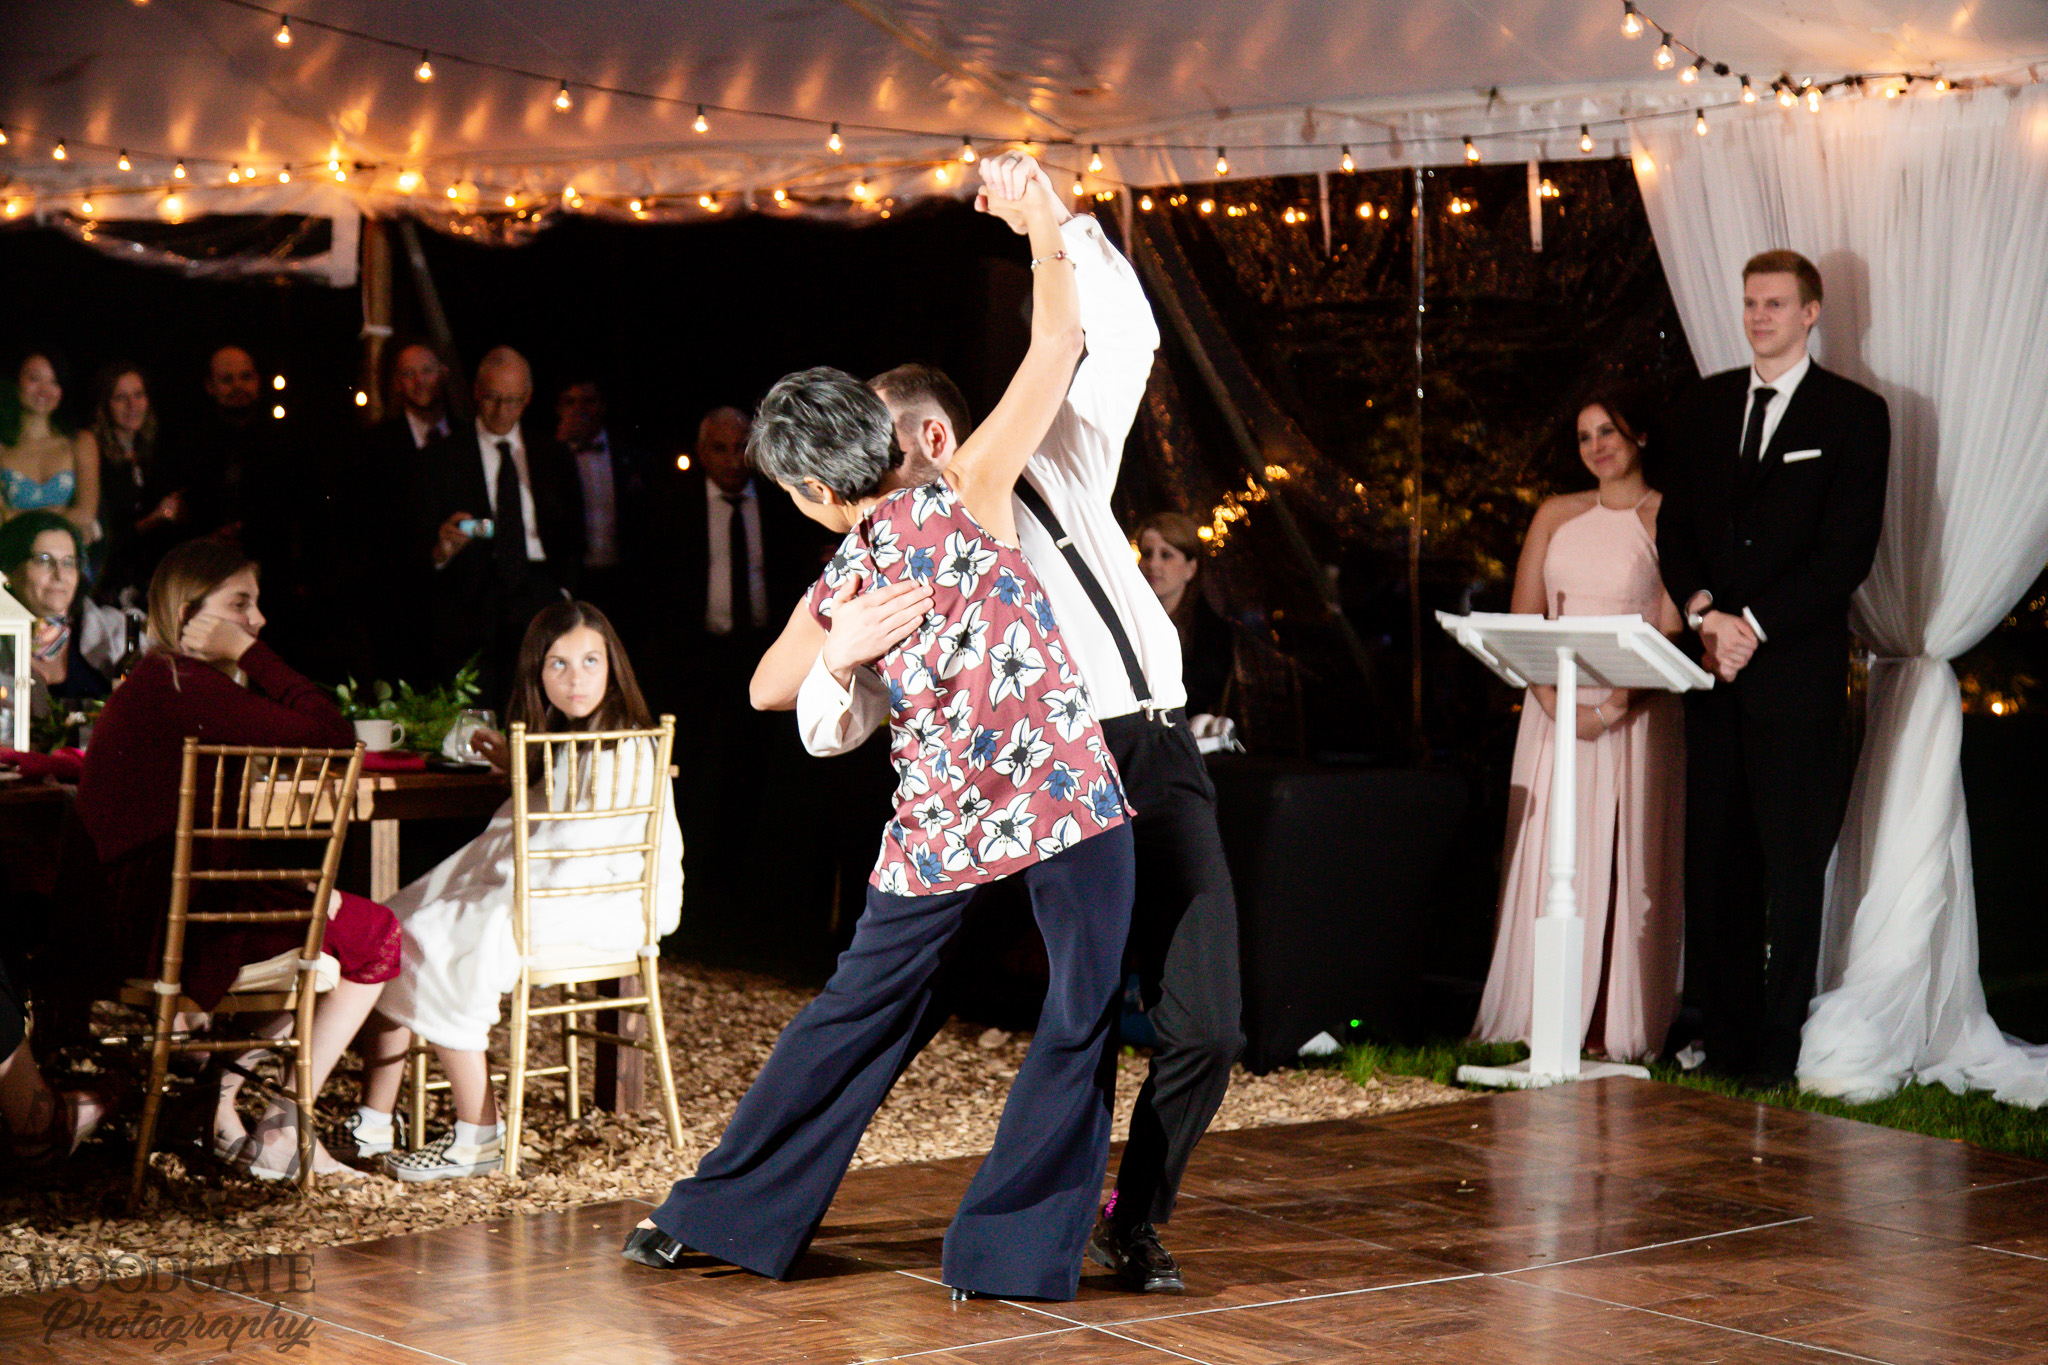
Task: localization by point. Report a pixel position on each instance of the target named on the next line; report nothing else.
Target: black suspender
(1034, 502)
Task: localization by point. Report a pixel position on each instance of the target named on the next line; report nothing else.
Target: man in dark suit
(1771, 522)
(742, 558)
(616, 480)
(377, 567)
(484, 588)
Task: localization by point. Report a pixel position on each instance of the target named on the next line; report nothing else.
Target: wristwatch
(1695, 619)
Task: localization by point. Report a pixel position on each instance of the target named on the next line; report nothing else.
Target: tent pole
(457, 392)
(1421, 253)
(376, 290)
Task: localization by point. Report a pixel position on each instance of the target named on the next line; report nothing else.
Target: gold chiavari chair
(571, 792)
(272, 796)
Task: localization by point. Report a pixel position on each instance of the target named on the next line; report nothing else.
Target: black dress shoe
(1133, 1252)
(653, 1247)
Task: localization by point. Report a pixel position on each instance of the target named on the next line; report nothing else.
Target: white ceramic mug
(379, 735)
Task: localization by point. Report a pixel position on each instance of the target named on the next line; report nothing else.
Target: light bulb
(966, 150)
(562, 100)
(234, 175)
(3, 143)
(362, 399)
(1692, 73)
(705, 201)
(178, 171)
(1813, 99)
(424, 72)
(941, 174)
(782, 196)
(1941, 85)
(702, 125)
(835, 142)
(1345, 162)
(1095, 158)
(284, 31)
(340, 177)
(452, 193)
(1471, 152)
(860, 189)
(284, 175)
(1748, 91)
(1145, 203)
(174, 207)
(1222, 162)
(85, 207)
(277, 382)
(408, 181)
(333, 162)
(1206, 206)
(57, 153)
(1585, 138)
(511, 201)
(1631, 22)
(1699, 123)
(1891, 92)
(123, 162)
(1786, 97)
(1664, 54)
(278, 412)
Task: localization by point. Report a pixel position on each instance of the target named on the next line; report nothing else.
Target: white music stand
(1523, 650)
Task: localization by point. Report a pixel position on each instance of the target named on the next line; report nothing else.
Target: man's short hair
(918, 388)
(1787, 263)
(826, 425)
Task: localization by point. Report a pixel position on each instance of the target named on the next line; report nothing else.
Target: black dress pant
(1764, 793)
(1184, 949)
(758, 1197)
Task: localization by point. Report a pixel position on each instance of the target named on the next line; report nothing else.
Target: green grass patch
(1973, 1117)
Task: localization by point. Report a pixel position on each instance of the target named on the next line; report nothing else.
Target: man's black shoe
(1133, 1252)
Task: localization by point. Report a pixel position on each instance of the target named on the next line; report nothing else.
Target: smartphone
(476, 528)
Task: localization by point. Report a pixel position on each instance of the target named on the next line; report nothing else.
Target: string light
(284, 31)
(409, 180)
(1471, 152)
(705, 201)
(1145, 203)
(1891, 92)
(781, 196)
(1631, 22)
(562, 100)
(340, 176)
(702, 125)
(334, 161)
(3, 143)
(836, 142)
(511, 201)
(1813, 99)
(1664, 53)
(967, 151)
(1692, 73)
(941, 174)
(57, 153)
(362, 399)
(1699, 123)
(1222, 162)
(1079, 188)
(1786, 96)
(1345, 161)
(1095, 157)
(1206, 206)
(278, 412)
(284, 175)
(123, 162)
(1585, 138)
(178, 171)
(174, 207)
(85, 207)
(860, 189)
(234, 175)
(277, 382)
(1941, 84)
(424, 72)
(1748, 91)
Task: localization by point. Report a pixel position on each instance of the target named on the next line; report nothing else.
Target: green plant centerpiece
(427, 713)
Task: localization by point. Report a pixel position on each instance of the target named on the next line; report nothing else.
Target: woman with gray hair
(1001, 771)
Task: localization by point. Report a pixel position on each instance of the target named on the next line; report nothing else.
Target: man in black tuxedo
(1771, 521)
(377, 567)
(616, 479)
(483, 589)
(742, 559)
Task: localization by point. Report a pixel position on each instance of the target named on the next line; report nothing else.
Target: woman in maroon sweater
(208, 675)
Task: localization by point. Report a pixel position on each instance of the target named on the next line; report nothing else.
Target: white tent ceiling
(1159, 86)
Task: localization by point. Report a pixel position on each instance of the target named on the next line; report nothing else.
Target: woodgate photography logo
(107, 1297)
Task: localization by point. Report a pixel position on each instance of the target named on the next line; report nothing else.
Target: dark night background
(676, 319)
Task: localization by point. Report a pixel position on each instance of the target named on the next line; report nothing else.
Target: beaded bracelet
(1041, 260)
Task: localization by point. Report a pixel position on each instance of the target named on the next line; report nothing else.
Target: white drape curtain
(1928, 218)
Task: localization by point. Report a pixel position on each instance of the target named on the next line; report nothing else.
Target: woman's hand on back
(214, 637)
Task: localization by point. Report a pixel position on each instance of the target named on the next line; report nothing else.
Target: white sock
(373, 1120)
(475, 1134)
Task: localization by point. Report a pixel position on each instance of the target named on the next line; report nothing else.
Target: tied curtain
(1928, 218)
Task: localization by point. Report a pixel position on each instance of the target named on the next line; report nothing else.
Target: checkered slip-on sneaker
(443, 1160)
(373, 1141)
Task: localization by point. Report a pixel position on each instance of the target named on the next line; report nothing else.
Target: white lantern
(17, 634)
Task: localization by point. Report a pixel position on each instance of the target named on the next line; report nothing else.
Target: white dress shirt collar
(491, 439)
(1785, 383)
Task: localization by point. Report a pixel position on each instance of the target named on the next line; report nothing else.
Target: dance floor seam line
(1654, 1246)
(1793, 1342)
(2007, 1251)
(329, 1322)
(1067, 1325)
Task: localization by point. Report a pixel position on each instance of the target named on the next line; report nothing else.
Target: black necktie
(736, 562)
(509, 534)
(1753, 435)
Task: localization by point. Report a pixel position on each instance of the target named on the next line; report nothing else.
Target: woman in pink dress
(1595, 554)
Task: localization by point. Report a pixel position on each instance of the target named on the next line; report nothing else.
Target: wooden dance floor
(1616, 1221)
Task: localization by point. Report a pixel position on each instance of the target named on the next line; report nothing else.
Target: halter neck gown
(1631, 826)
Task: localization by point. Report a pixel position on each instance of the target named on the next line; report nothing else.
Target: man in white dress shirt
(1183, 941)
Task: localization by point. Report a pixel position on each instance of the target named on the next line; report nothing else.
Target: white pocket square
(1795, 456)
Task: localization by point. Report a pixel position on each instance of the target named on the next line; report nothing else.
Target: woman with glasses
(79, 644)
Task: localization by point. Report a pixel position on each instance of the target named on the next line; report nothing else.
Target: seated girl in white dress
(459, 954)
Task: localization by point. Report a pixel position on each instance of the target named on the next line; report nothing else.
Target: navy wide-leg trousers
(758, 1197)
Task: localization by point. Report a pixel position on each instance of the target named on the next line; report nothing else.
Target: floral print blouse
(999, 760)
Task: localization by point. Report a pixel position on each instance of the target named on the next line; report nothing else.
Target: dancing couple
(935, 605)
